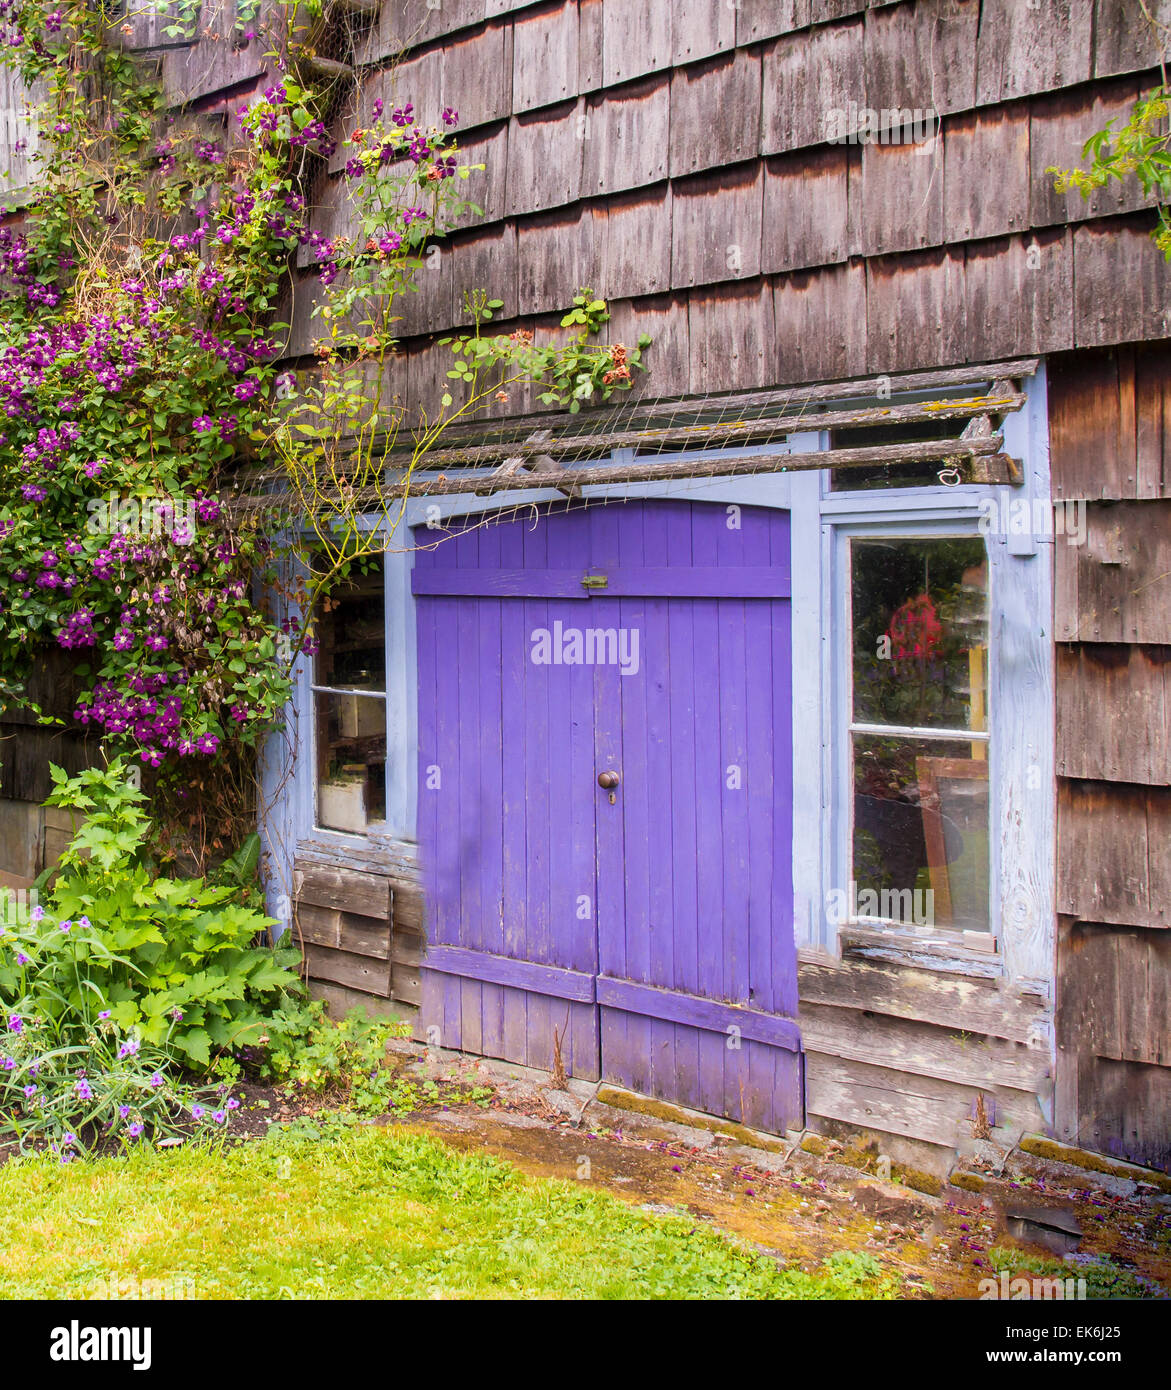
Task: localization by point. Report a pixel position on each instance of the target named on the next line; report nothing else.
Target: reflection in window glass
(351, 633)
(349, 678)
(920, 833)
(351, 761)
(920, 662)
(920, 633)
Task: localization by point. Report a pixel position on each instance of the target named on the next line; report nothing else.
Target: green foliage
(1105, 1277)
(173, 968)
(573, 373)
(1140, 149)
(345, 1061)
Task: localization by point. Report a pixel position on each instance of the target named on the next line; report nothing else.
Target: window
(349, 704)
(918, 728)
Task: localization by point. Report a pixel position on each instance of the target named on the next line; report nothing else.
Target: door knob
(608, 780)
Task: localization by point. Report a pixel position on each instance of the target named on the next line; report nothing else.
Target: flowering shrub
(107, 1086)
(139, 376)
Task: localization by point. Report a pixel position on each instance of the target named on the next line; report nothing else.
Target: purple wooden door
(652, 932)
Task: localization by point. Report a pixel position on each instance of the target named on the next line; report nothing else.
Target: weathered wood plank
(922, 1108)
(636, 39)
(1124, 1110)
(477, 78)
(1019, 294)
(1110, 423)
(1059, 125)
(896, 198)
(716, 228)
(703, 31)
(1122, 283)
(408, 906)
(923, 1049)
(765, 19)
(545, 67)
(732, 338)
(638, 244)
(557, 253)
(730, 85)
(1123, 42)
(347, 889)
(910, 310)
(979, 144)
(1120, 579)
(484, 260)
(807, 76)
(486, 187)
(921, 56)
(589, 45)
(1115, 983)
(1022, 50)
(214, 64)
(624, 137)
(545, 159)
(411, 23)
(356, 972)
(948, 1001)
(821, 326)
(664, 317)
(1114, 713)
(1112, 860)
(805, 210)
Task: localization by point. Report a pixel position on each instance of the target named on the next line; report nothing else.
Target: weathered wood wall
(1108, 434)
(677, 160)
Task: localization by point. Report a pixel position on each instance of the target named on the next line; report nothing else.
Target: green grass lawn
(375, 1213)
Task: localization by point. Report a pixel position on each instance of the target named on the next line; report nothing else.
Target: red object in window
(915, 630)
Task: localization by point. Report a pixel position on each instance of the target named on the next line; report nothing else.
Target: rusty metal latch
(594, 581)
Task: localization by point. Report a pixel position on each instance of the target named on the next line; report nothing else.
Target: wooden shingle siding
(716, 227)
(732, 340)
(820, 320)
(1122, 285)
(1114, 1057)
(1117, 586)
(1134, 684)
(1110, 423)
(544, 57)
(729, 85)
(911, 318)
(806, 209)
(1128, 1015)
(983, 148)
(625, 135)
(805, 76)
(715, 124)
(922, 55)
(1059, 125)
(545, 160)
(1114, 853)
(1122, 43)
(636, 39)
(1022, 50)
(896, 199)
(1018, 294)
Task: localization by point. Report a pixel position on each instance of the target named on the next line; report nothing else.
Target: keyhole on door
(608, 781)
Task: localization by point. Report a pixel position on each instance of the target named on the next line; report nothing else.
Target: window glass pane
(351, 761)
(351, 634)
(920, 611)
(920, 849)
